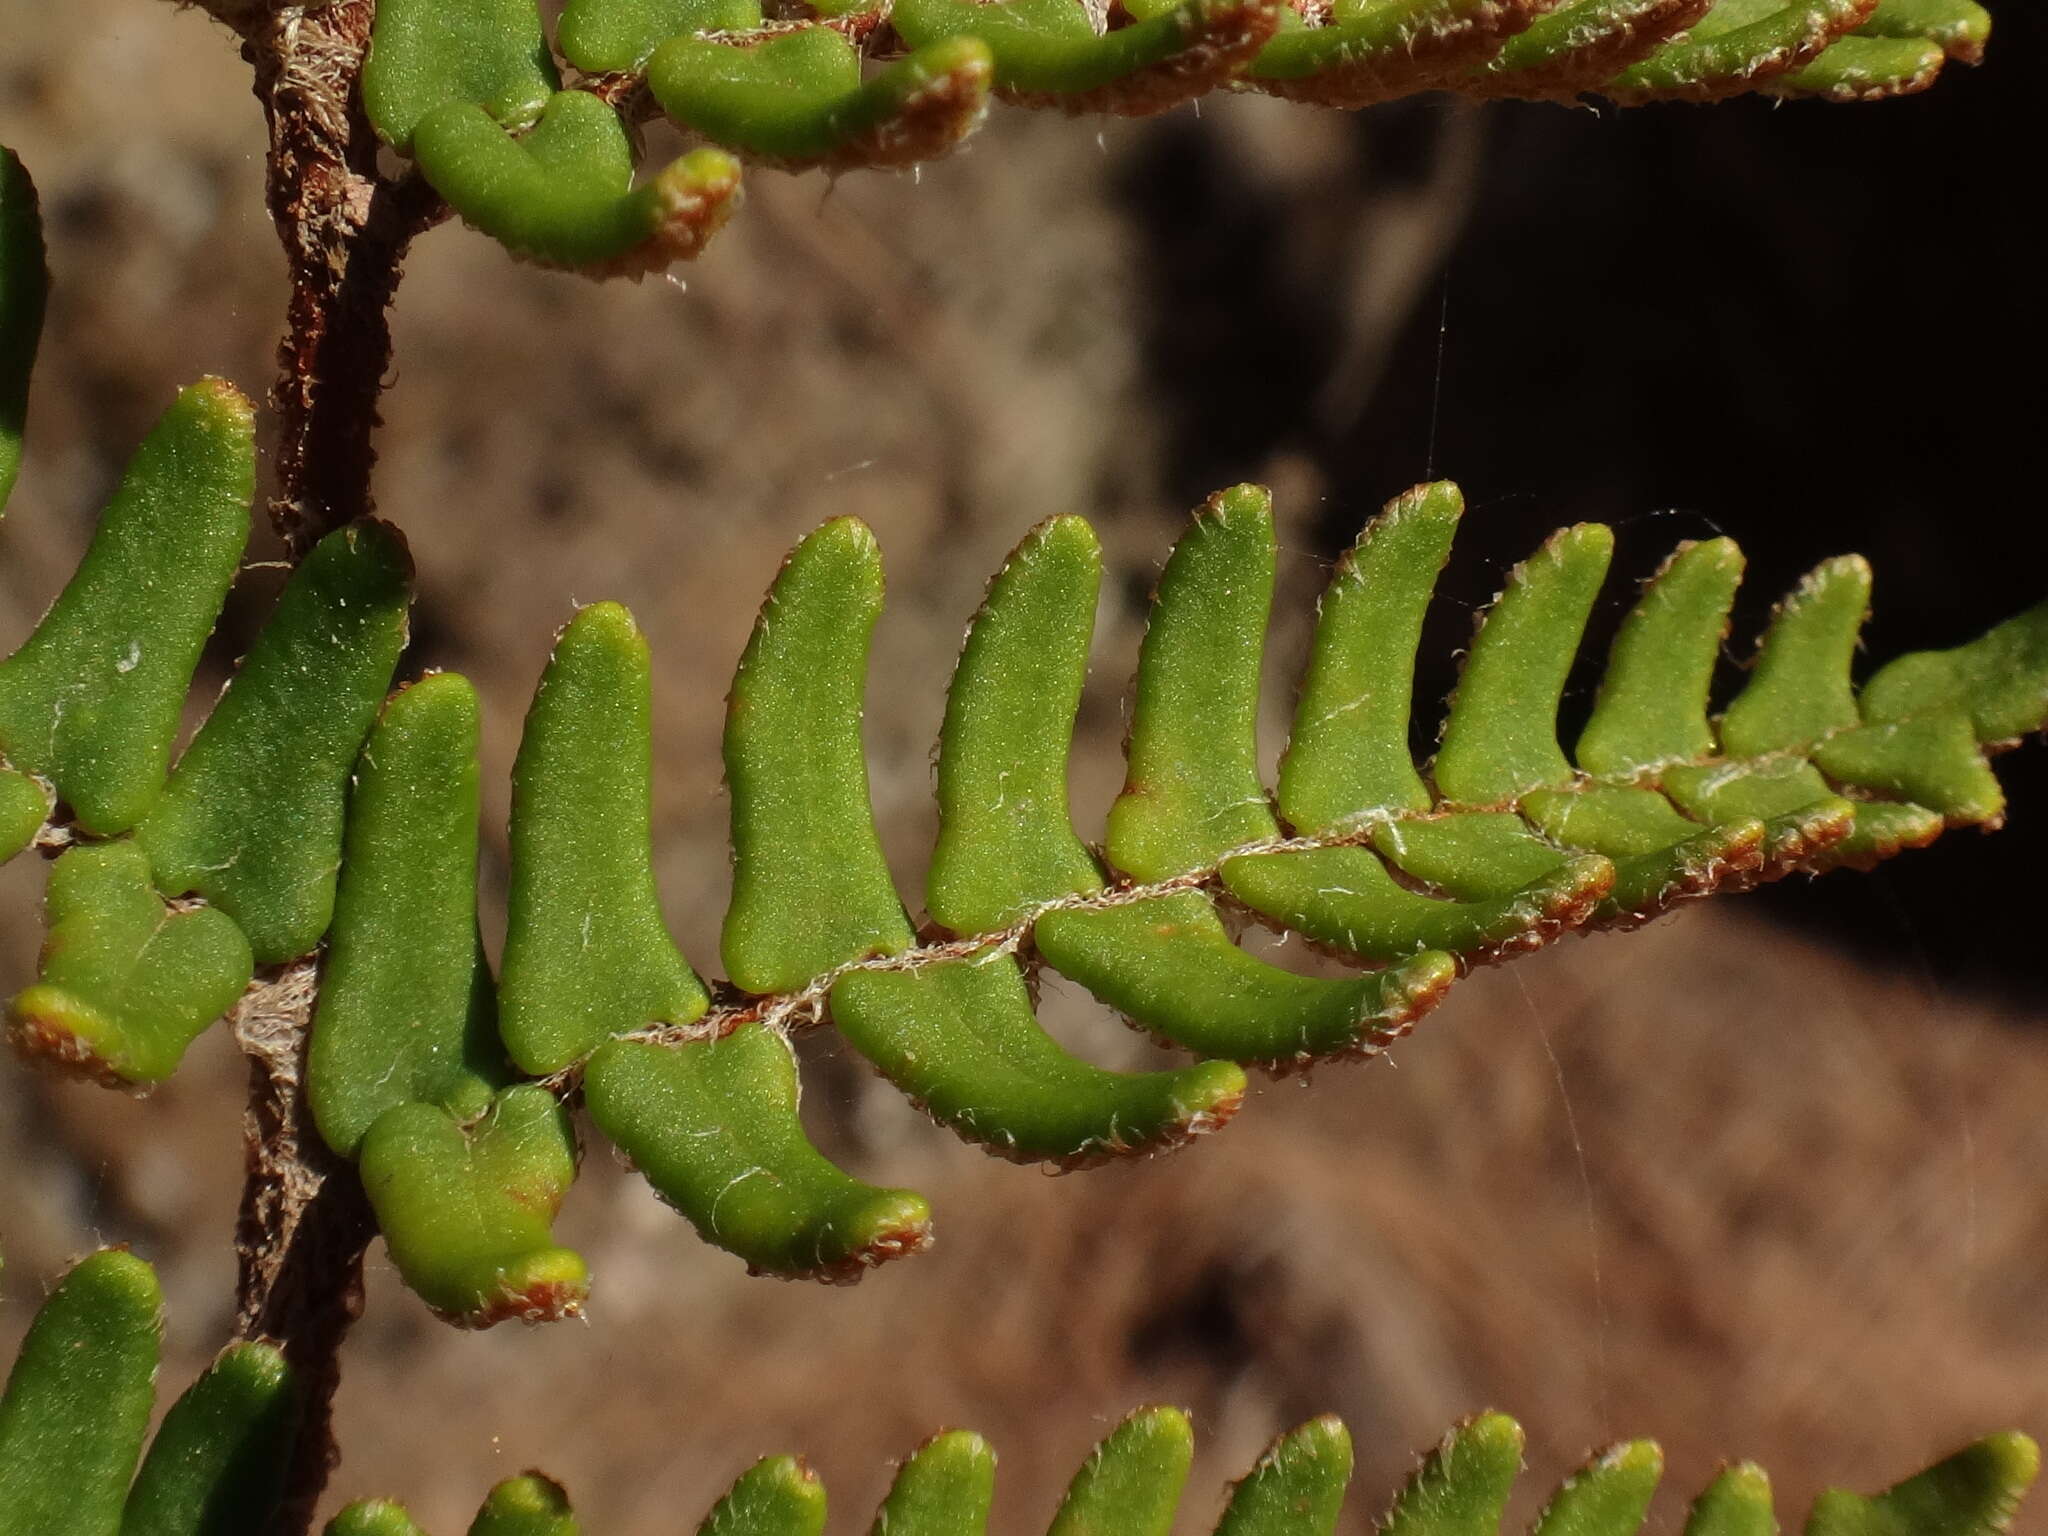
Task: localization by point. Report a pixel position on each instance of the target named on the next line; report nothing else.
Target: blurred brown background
(1765, 1179)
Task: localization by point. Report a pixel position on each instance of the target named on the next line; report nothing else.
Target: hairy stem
(304, 1221)
(345, 230)
(303, 1227)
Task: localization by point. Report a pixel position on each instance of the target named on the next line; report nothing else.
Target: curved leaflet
(78, 1400)
(587, 952)
(406, 1010)
(252, 816)
(92, 699)
(466, 1208)
(563, 194)
(712, 1124)
(217, 1464)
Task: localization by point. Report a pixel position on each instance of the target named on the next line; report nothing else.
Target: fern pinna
(473, 90)
(313, 821)
(77, 1407)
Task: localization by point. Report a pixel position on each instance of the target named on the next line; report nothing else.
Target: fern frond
(1132, 1483)
(177, 883)
(1501, 843)
(472, 88)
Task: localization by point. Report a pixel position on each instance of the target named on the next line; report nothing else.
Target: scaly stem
(303, 1227)
(304, 1222)
(345, 231)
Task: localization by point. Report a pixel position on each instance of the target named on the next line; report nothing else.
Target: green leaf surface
(1961, 27)
(2000, 680)
(1867, 69)
(1736, 1503)
(406, 1012)
(612, 36)
(1736, 46)
(945, 1488)
(1975, 1492)
(811, 890)
(1799, 689)
(1609, 1496)
(960, 1039)
(796, 99)
(252, 817)
(78, 1400)
(1131, 1483)
(1346, 898)
(1500, 740)
(126, 982)
(563, 194)
(1462, 1487)
(1652, 706)
(1193, 791)
(1375, 50)
(1802, 816)
(1475, 856)
(1006, 841)
(467, 1210)
(24, 292)
(587, 952)
(778, 1496)
(92, 699)
(373, 1517)
(1049, 51)
(1297, 1489)
(1659, 856)
(1171, 967)
(1933, 761)
(24, 807)
(427, 53)
(713, 1126)
(1348, 756)
(217, 1465)
(527, 1505)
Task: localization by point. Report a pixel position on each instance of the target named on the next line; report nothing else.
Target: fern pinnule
(78, 1399)
(251, 817)
(714, 1129)
(945, 1487)
(1131, 1482)
(92, 699)
(77, 1406)
(587, 952)
(467, 1207)
(217, 1461)
(563, 195)
(405, 944)
(527, 1505)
